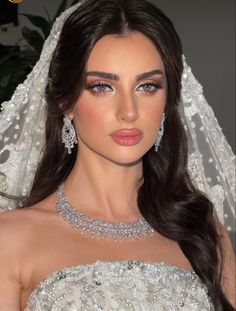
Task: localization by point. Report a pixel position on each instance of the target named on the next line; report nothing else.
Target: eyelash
(104, 85)
(154, 87)
(91, 87)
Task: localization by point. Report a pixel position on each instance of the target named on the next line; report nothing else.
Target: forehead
(134, 52)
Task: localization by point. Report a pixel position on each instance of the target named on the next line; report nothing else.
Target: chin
(126, 159)
(124, 156)
(128, 163)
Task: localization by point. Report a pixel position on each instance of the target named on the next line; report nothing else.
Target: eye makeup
(99, 88)
(149, 87)
(146, 87)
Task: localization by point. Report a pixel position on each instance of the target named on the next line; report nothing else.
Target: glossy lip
(127, 137)
(127, 132)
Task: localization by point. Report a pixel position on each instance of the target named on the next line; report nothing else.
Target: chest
(55, 250)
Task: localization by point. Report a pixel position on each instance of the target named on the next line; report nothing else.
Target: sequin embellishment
(126, 285)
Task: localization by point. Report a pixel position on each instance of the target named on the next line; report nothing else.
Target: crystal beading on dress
(126, 285)
(97, 228)
(211, 160)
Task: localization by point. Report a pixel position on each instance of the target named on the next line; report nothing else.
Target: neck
(102, 189)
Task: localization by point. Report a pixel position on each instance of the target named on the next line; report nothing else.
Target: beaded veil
(22, 128)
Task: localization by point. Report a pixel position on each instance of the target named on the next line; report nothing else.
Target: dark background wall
(207, 30)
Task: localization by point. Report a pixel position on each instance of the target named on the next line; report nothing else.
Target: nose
(127, 108)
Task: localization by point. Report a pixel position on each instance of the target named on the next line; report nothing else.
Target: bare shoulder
(13, 238)
(228, 264)
(19, 226)
(14, 223)
(226, 244)
(19, 230)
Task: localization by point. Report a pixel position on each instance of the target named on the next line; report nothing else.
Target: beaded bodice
(121, 286)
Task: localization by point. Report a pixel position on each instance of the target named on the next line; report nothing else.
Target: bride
(113, 220)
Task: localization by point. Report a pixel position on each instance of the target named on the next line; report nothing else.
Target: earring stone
(68, 134)
(160, 134)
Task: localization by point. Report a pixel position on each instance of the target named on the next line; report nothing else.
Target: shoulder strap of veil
(22, 121)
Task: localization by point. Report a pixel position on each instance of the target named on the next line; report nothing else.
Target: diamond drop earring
(68, 134)
(160, 134)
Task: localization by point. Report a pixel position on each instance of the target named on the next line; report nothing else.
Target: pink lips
(127, 137)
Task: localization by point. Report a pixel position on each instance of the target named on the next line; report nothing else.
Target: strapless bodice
(121, 286)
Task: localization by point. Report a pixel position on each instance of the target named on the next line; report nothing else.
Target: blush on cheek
(157, 113)
(86, 113)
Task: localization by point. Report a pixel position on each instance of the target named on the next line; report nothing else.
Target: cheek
(153, 115)
(86, 116)
(156, 113)
(155, 109)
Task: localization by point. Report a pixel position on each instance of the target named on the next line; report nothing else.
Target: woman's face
(118, 114)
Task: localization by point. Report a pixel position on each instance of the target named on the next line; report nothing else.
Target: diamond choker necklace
(98, 228)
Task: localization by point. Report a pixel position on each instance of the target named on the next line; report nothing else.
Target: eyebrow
(112, 76)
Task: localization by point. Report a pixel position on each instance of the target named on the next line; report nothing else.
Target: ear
(70, 115)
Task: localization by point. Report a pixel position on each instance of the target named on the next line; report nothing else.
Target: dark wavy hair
(167, 198)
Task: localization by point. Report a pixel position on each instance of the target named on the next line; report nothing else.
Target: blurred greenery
(18, 60)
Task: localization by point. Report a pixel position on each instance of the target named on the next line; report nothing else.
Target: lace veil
(22, 127)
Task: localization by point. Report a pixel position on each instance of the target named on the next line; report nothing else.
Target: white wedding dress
(127, 284)
(121, 286)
